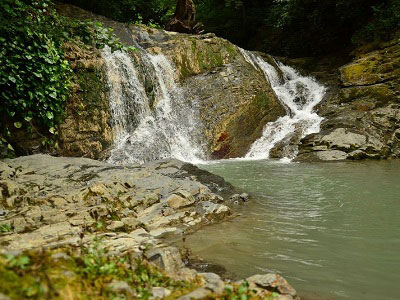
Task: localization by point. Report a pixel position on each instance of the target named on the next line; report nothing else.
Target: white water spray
(149, 129)
(298, 94)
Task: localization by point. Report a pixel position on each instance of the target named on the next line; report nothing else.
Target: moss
(262, 100)
(85, 274)
(92, 85)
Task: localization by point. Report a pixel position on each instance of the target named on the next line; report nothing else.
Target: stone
(273, 283)
(121, 287)
(161, 232)
(4, 297)
(199, 293)
(344, 139)
(331, 155)
(213, 282)
(160, 293)
(131, 222)
(235, 199)
(3, 213)
(19, 224)
(167, 258)
(176, 201)
(115, 225)
(60, 256)
(244, 197)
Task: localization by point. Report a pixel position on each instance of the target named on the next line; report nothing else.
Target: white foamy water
(149, 127)
(298, 94)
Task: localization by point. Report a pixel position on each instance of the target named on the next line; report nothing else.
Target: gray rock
(131, 222)
(167, 258)
(177, 201)
(244, 197)
(272, 282)
(115, 225)
(199, 293)
(160, 292)
(213, 282)
(60, 256)
(331, 155)
(121, 287)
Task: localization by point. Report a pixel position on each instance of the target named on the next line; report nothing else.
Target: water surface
(332, 229)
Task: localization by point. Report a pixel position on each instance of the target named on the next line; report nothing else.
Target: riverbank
(53, 205)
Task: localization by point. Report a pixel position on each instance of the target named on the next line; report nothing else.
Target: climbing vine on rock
(34, 76)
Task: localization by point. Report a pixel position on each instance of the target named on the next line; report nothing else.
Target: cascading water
(299, 95)
(149, 127)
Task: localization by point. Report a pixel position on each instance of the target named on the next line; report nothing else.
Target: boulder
(273, 283)
(177, 201)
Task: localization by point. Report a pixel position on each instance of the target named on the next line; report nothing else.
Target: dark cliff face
(361, 108)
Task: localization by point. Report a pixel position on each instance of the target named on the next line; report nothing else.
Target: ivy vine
(35, 78)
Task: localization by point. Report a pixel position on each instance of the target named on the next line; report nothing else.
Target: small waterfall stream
(158, 123)
(299, 95)
(148, 128)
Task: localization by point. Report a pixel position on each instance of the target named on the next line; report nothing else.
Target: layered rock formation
(361, 109)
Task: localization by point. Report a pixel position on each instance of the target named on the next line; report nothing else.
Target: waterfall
(299, 95)
(149, 127)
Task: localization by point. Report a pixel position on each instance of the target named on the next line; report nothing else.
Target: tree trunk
(184, 18)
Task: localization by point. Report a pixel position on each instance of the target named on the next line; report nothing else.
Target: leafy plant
(97, 262)
(20, 262)
(35, 78)
(5, 228)
(242, 292)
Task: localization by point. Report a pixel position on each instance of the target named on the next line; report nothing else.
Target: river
(331, 229)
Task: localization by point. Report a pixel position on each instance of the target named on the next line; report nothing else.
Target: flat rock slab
(52, 201)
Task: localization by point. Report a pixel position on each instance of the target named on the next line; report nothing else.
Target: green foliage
(241, 292)
(383, 25)
(85, 273)
(17, 262)
(154, 13)
(300, 27)
(97, 262)
(4, 228)
(34, 76)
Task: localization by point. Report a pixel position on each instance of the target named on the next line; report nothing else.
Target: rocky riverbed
(55, 203)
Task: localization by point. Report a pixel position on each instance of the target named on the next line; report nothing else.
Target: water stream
(161, 123)
(154, 125)
(299, 95)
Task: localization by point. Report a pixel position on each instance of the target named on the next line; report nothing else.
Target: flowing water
(160, 123)
(299, 95)
(154, 125)
(333, 230)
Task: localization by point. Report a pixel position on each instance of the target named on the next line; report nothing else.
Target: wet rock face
(47, 202)
(234, 99)
(361, 110)
(86, 130)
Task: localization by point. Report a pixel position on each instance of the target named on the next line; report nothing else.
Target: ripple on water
(332, 229)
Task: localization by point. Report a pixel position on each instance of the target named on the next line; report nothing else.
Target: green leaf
(10, 147)
(17, 124)
(28, 119)
(52, 130)
(49, 115)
